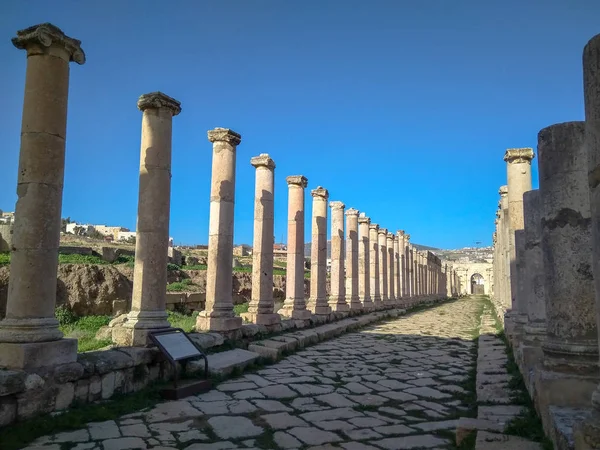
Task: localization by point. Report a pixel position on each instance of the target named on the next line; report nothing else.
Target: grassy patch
(80, 259)
(180, 286)
(4, 258)
(195, 267)
(18, 435)
(84, 329)
(183, 321)
(128, 260)
(240, 309)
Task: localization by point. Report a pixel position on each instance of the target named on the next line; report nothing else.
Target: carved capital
(391, 236)
(503, 191)
(519, 155)
(374, 226)
(224, 134)
(263, 160)
(156, 100)
(352, 212)
(362, 218)
(407, 237)
(45, 35)
(383, 231)
(337, 205)
(298, 180)
(320, 191)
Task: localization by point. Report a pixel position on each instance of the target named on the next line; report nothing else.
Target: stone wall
(6, 231)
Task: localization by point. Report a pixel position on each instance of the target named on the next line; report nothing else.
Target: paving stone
(244, 395)
(72, 436)
(138, 430)
(286, 441)
(124, 443)
(427, 392)
(314, 436)
(171, 426)
(192, 435)
(335, 425)
(228, 387)
(172, 410)
(271, 405)
(357, 445)
(366, 422)
(335, 400)
(494, 441)
(223, 445)
(281, 421)
(369, 399)
(434, 426)
(222, 426)
(423, 441)
(394, 429)
(277, 391)
(330, 414)
(312, 389)
(104, 430)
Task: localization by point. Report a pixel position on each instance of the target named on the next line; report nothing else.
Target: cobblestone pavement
(395, 385)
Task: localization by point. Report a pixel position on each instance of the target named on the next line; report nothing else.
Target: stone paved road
(395, 385)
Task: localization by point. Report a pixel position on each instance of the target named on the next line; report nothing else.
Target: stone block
(95, 388)
(175, 256)
(108, 385)
(110, 254)
(104, 333)
(110, 360)
(141, 355)
(175, 298)
(68, 372)
(468, 425)
(270, 353)
(12, 381)
(195, 300)
(8, 410)
(73, 250)
(37, 354)
(65, 395)
(224, 363)
(82, 390)
(495, 441)
(35, 402)
(203, 340)
(120, 307)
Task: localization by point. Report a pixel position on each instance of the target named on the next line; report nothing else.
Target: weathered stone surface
(12, 381)
(222, 426)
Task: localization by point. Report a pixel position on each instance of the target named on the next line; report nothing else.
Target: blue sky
(402, 109)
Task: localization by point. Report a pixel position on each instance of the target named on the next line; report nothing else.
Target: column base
(580, 358)
(354, 303)
(339, 306)
(30, 330)
(262, 318)
(31, 355)
(320, 310)
(390, 302)
(126, 336)
(367, 304)
(298, 314)
(205, 322)
(586, 434)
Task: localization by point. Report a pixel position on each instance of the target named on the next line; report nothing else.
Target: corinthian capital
(39, 37)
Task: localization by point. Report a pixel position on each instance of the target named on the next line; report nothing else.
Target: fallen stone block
(225, 362)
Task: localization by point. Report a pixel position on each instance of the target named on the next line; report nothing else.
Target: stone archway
(477, 284)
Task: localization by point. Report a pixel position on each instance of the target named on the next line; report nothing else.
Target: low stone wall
(73, 250)
(99, 375)
(6, 232)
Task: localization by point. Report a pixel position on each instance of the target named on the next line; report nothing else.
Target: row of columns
(546, 253)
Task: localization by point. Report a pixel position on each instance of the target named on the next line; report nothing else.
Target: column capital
(503, 191)
(400, 233)
(391, 236)
(362, 218)
(299, 180)
(374, 226)
(519, 155)
(156, 100)
(337, 205)
(224, 134)
(352, 212)
(407, 237)
(383, 231)
(320, 191)
(262, 160)
(46, 34)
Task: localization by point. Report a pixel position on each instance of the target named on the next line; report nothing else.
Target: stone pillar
(364, 262)
(534, 282)
(295, 306)
(571, 346)
(149, 297)
(391, 275)
(29, 334)
(505, 250)
(261, 308)
(318, 253)
(374, 263)
(518, 171)
(352, 272)
(397, 270)
(383, 266)
(218, 313)
(337, 297)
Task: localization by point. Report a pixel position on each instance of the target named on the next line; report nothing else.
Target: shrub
(182, 285)
(171, 267)
(240, 309)
(4, 258)
(124, 259)
(65, 316)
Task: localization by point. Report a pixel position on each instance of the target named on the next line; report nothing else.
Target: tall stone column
(505, 249)
(410, 268)
(29, 334)
(364, 262)
(318, 253)
(534, 282)
(352, 272)
(218, 313)
(383, 266)
(337, 297)
(374, 263)
(295, 306)
(518, 171)
(261, 307)
(398, 269)
(571, 346)
(149, 297)
(589, 434)
(391, 274)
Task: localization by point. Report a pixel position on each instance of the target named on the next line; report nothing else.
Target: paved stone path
(395, 385)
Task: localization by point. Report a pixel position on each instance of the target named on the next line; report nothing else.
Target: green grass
(195, 267)
(180, 286)
(4, 258)
(84, 329)
(184, 321)
(240, 309)
(80, 259)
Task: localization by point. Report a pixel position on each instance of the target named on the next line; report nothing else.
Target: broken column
(383, 270)
(391, 277)
(571, 345)
(374, 263)
(318, 253)
(337, 297)
(352, 272)
(364, 262)
(295, 304)
(149, 297)
(29, 334)
(218, 313)
(261, 307)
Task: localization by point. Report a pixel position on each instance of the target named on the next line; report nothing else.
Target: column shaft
(374, 262)
(364, 262)
(383, 266)
(337, 297)
(391, 277)
(318, 266)
(352, 271)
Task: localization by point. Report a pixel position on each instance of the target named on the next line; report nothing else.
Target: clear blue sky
(402, 109)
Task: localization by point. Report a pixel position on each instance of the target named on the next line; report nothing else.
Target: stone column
(397, 270)
(364, 262)
(149, 297)
(534, 282)
(374, 263)
(391, 274)
(383, 270)
(352, 273)
(505, 250)
(29, 334)
(337, 297)
(589, 434)
(295, 306)
(218, 313)
(318, 253)
(260, 310)
(571, 346)
(518, 171)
